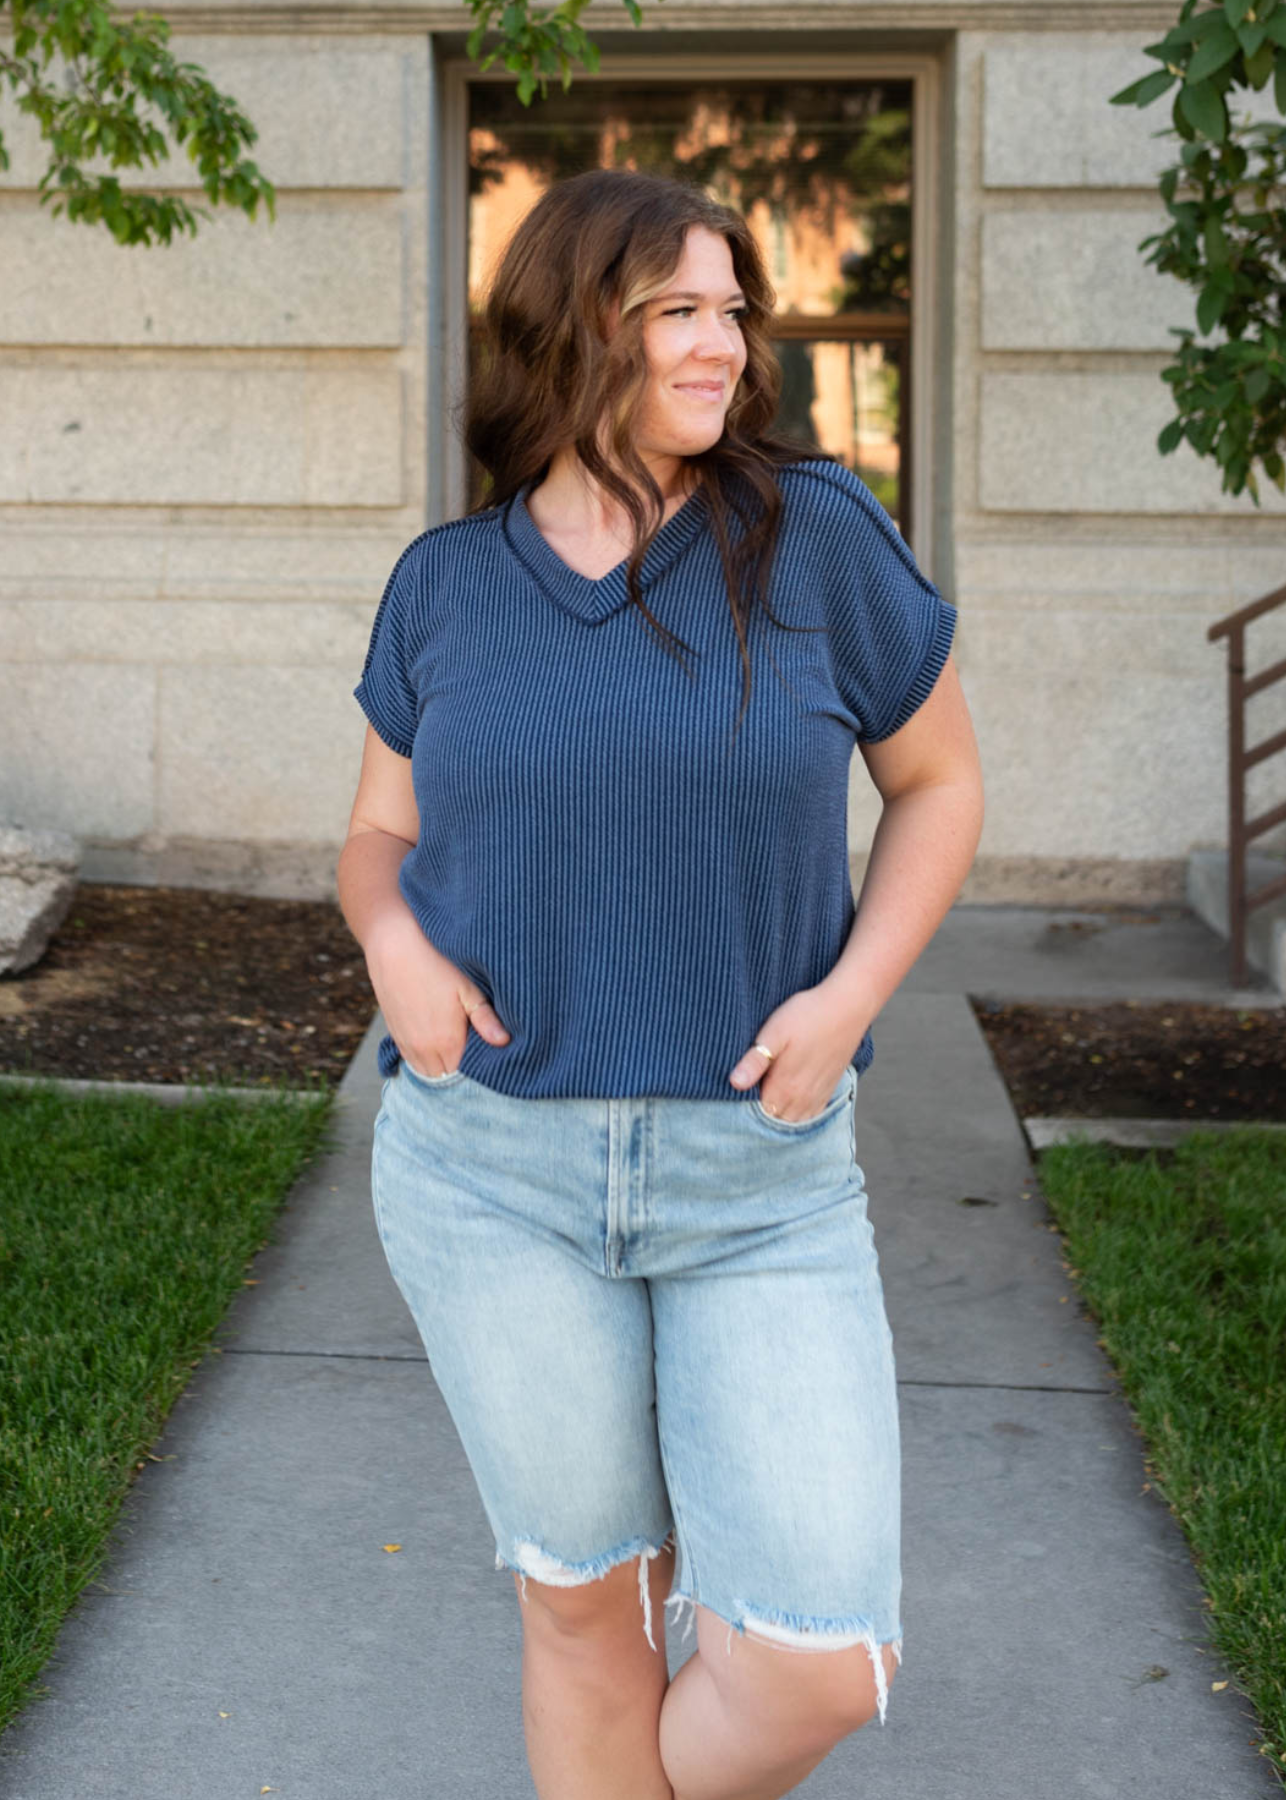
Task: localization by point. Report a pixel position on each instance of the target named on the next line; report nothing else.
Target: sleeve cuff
(386, 732)
(932, 666)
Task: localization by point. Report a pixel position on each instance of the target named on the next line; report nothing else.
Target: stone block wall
(212, 453)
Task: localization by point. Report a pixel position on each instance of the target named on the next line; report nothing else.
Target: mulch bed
(190, 985)
(1140, 1060)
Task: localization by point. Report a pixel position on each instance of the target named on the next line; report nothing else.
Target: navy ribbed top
(633, 890)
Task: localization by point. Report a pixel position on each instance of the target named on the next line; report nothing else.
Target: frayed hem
(794, 1631)
(677, 1600)
(542, 1565)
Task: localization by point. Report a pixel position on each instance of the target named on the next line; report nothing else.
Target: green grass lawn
(126, 1228)
(1182, 1259)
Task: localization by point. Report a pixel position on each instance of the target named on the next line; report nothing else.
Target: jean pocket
(842, 1095)
(432, 1081)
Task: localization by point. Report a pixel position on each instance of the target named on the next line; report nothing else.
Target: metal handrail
(1241, 829)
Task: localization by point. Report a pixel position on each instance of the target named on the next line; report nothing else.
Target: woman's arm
(930, 776)
(383, 825)
(427, 1002)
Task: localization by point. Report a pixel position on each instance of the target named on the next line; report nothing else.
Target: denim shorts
(652, 1317)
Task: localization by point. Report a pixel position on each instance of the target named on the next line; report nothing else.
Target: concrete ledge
(170, 1094)
(1131, 1133)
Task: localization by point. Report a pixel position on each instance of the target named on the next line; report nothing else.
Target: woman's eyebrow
(690, 294)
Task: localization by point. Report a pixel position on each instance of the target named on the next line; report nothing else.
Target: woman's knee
(819, 1695)
(590, 1612)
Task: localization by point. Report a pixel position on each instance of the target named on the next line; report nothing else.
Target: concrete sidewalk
(250, 1632)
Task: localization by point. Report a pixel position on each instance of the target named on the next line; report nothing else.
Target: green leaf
(1235, 10)
(1275, 469)
(1260, 66)
(1128, 96)
(1204, 109)
(1215, 241)
(1219, 48)
(1200, 433)
(1210, 306)
(1250, 37)
(1154, 85)
(1258, 383)
(1279, 81)
(1171, 437)
(1275, 26)
(1199, 26)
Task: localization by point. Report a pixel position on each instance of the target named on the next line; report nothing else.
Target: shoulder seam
(489, 515)
(445, 525)
(418, 615)
(831, 475)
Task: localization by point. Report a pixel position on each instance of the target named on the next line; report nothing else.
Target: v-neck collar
(593, 601)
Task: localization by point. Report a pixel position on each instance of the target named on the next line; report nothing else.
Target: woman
(611, 931)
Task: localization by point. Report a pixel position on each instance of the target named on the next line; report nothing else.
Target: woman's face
(695, 350)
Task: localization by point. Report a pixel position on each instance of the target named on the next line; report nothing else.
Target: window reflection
(822, 174)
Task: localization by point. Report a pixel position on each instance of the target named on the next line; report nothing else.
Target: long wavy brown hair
(563, 364)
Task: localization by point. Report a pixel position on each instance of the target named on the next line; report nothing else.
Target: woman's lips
(714, 391)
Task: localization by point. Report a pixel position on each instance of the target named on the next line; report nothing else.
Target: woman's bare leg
(592, 1685)
(751, 1724)
(603, 1721)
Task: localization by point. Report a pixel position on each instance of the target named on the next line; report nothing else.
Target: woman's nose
(719, 339)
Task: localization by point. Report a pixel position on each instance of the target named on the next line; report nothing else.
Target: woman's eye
(734, 312)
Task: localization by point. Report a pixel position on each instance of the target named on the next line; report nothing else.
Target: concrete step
(1130, 1133)
(1265, 925)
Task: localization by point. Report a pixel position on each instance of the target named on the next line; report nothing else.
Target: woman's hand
(811, 1041)
(427, 1002)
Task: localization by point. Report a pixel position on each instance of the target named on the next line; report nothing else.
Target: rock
(38, 881)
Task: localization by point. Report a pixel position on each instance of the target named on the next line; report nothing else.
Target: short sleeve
(890, 630)
(386, 692)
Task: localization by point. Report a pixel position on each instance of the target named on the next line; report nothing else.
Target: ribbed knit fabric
(632, 890)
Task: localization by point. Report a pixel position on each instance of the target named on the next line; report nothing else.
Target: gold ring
(764, 1050)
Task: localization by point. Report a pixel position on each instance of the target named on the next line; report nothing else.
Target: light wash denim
(653, 1316)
